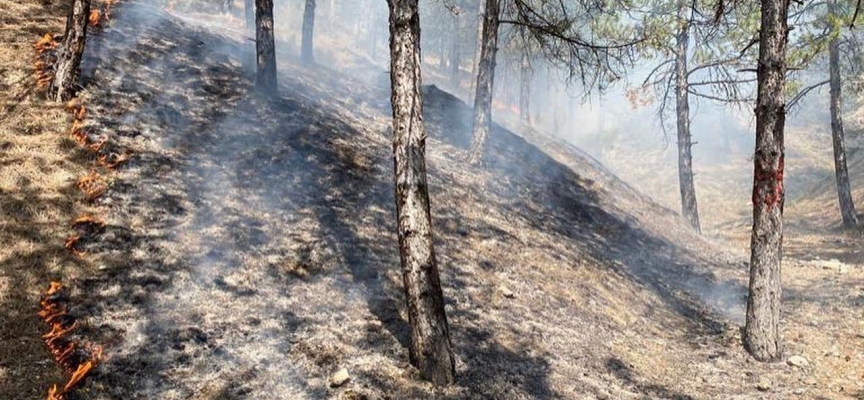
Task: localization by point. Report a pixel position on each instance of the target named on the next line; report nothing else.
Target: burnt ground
(249, 251)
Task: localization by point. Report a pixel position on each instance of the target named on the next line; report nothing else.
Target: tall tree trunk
(430, 348)
(68, 66)
(454, 51)
(485, 81)
(248, 54)
(265, 46)
(306, 56)
(475, 66)
(689, 209)
(844, 189)
(762, 337)
(250, 17)
(525, 89)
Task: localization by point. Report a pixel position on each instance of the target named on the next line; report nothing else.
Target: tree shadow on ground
(629, 379)
(232, 180)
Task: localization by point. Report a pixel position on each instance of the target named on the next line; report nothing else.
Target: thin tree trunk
(689, 209)
(475, 66)
(306, 55)
(454, 51)
(525, 90)
(68, 67)
(250, 17)
(762, 336)
(265, 46)
(844, 189)
(485, 82)
(248, 54)
(430, 348)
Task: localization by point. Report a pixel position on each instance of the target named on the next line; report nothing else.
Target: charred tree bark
(68, 67)
(762, 337)
(430, 348)
(689, 209)
(265, 46)
(485, 82)
(306, 51)
(525, 90)
(841, 172)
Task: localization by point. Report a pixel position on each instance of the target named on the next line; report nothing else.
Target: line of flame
(62, 350)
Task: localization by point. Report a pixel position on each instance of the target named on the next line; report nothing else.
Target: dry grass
(38, 201)
(249, 251)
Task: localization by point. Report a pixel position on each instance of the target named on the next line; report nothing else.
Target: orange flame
(53, 395)
(57, 330)
(88, 219)
(71, 243)
(104, 160)
(93, 185)
(95, 18)
(42, 71)
(63, 350)
(78, 375)
(78, 133)
(53, 288)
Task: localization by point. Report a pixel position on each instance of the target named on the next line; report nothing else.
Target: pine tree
(306, 53)
(67, 72)
(430, 349)
(265, 46)
(762, 336)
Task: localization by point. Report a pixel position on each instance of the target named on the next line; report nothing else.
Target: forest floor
(38, 199)
(248, 251)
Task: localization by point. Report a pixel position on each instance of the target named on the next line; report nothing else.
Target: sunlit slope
(250, 249)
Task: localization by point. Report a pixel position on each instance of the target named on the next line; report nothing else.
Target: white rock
(798, 361)
(763, 385)
(340, 378)
(507, 292)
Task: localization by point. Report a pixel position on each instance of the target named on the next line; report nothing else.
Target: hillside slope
(249, 250)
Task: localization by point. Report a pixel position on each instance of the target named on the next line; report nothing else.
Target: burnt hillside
(249, 250)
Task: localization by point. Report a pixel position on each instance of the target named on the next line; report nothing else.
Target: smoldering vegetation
(249, 246)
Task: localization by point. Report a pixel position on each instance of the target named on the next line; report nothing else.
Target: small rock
(798, 361)
(799, 391)
(763, 385)
(507, 292)
(340, 378)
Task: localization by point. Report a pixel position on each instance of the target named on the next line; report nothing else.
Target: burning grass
(45, 57)
(76, 357)
(93, 185)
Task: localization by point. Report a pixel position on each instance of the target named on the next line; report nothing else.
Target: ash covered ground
(250, 247)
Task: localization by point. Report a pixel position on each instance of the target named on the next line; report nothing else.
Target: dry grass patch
(38, 201)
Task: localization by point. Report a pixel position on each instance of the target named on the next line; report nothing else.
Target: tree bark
(430, 348)
(525, 90)
(454, 51)
(265, 46)
(762, 336)
(67, 70)
(689, 209)
(841, 172)
(475, 66)
(485, 82)
(306, 52)
(248, 54)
